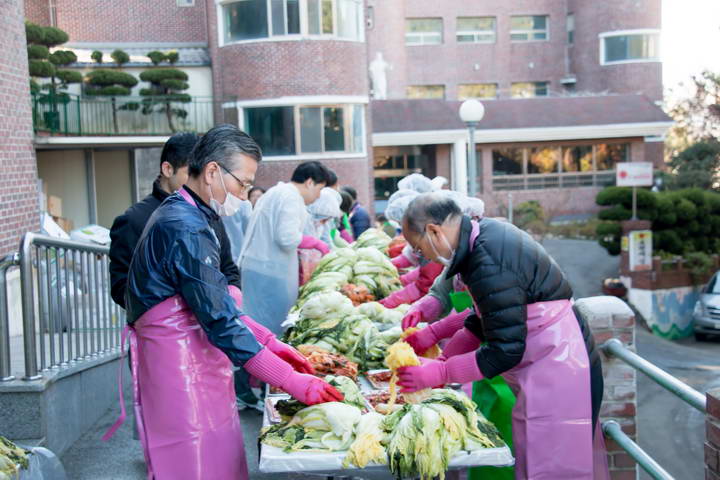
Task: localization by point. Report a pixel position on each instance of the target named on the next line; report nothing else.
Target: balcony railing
(66, 114)
(540, 181)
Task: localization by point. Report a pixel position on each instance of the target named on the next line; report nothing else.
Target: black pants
(597, 385)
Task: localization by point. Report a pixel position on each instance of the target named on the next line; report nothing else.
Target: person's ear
(211, 171)
(167, 170)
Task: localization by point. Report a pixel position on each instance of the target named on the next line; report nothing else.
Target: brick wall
(132, 21)
(610, 317)
(593, 18)
(38, 11)
(19, 211)
(292, 68)
(712, 445)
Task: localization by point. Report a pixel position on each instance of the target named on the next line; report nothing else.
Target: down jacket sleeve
(204, 288)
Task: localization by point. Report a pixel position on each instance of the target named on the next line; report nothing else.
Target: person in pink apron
(186, 331)
(529, 332)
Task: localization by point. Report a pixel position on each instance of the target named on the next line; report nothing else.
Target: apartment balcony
(67, 115)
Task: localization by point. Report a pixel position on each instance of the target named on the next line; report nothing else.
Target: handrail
(659, 376)
(78, 320)
(612, 429)
(5, 368)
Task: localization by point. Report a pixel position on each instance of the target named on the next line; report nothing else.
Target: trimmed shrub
(38, 52)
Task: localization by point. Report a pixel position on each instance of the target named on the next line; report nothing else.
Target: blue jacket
(179, 254)
(359, 220)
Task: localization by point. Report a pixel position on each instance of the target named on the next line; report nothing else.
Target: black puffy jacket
(126, 231)
(506, 271)
(179, 254)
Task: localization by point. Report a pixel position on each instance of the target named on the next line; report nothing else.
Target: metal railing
(68, 315)
(5, 370)
(69, 114)
(683, 391)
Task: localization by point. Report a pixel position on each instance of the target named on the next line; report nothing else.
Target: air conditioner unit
(569, 80)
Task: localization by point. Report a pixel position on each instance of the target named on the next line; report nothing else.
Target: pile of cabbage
(362, 334)
(416, 441)
(364, 263)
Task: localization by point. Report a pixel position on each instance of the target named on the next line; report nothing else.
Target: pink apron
(184, 398)
(552, 430)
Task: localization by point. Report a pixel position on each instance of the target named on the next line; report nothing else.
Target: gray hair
(430, 208)
(219, 145)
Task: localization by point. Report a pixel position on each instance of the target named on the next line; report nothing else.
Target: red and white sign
(634, 174)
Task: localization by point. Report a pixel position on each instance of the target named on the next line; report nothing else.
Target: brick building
(370, 87)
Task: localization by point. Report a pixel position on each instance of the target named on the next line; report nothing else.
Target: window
(529, 89)
(607, 155)
(423, 31)
(557, 166)
(256, 19)
(245, 20)
(630, 47)
(425, 91)
(508, 161)
(577, 159)
(185, 3)
(570, 26)
(529, 28)
(542, 160)
(477, 90)
(273, 128)
(319, 129)
(475, 30)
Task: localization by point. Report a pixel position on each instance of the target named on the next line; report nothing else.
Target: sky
(690, 40)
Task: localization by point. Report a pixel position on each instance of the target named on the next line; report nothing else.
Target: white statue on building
(378, 76)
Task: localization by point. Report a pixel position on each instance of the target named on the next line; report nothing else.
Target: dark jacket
(359, 220)
(126, 231)
(179, 254)
(506, 271)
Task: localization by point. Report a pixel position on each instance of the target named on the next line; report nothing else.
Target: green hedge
(683, 221)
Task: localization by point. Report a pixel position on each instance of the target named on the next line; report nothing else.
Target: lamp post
(471, 112)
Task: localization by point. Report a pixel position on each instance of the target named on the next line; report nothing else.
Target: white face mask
(444, 261)
(229, 207)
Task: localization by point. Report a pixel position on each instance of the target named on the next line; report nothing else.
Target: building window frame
(483, 84)
(558, 178)
(424, 36)
(570, 28)
(530, 32)
(304, 23)
(538, 86)
(476, 34)
(408, 87)
(354, 126)
(650, 32)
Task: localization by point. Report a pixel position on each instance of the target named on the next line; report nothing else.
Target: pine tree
(166, 87)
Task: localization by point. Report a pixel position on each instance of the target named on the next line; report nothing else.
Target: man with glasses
(128, 227)
(187, 332)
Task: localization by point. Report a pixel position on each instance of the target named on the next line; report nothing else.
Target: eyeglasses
(243, 185)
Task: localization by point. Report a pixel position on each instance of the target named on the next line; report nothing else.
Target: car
(706, 315)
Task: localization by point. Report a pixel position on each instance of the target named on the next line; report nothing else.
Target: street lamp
(471, 112)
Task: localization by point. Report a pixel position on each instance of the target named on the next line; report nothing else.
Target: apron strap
(111, 431)
(186, 195)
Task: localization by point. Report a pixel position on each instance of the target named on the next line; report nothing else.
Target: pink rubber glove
(409, 294)
(269, 368)
(424, 339)
(410, 277)
(401, 261)
(427, 309)
(265, 337)
(459, 369)
(314, 243)
(462, 342)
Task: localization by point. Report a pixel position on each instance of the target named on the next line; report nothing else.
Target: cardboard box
(64, 223)
(54, 206)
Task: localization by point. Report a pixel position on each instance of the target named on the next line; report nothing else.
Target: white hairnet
(439, 182)
(418, 182)
(474, 207)
(400, 194)
(327, 205)
(396, 208)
